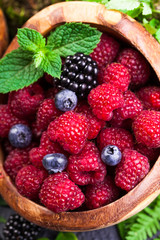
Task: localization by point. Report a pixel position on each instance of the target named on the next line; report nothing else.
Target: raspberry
(46, 147)
(95, 124)
(131, 170)
(131, 108)
(150, 97)
(29, 180)
(101, 193)
(25, 102)
(79, 74)
(104, 99)
(118, 75)
(7, 120)
(137, 66)
(115, 136)
(47, 112)
(86, 167)
(146, 127)
(70, 130)
(151, 153)
(16, 159)
(60, 194)
(106, 51)
(51, 92)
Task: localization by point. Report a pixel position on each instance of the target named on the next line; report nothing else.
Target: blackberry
(79, 74)
(17, 228)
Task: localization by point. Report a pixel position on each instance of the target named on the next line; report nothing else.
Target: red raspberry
(51, 92)
(60, 194)
(25, 102)
(150, 97)
(131, 170)
(46, 147)
(151, 153)
(146, 127)
(137, 66)
(7, 120)
(106, 51)
(101, 193)
(115, 136)
(118, 75)
(86, 167)
(16, 159)
(104, 99)
(100, 75)
(29, 180)
(47, 112)
(131, 108)
(70, 130)
(95, 124)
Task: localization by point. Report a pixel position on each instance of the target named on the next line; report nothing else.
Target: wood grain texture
(3, 33)
(125, 28)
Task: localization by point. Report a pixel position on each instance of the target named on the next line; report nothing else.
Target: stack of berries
(72, 153)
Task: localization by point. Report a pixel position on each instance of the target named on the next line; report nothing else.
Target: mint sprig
(66, 236)
(34, 57)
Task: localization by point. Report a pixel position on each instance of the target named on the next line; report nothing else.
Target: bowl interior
(125, 29)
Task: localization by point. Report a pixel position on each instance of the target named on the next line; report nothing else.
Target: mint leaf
(2, 220)
(66, 236)
(130, 7)
(17, 70)
(43, 238)
(71, 38)
(30, 39)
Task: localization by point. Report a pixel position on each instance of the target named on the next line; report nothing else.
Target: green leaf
(30, 39)
(157, 35)
(17, 70)
(2, 220)
(66, 236)
(2, 202)
(49, 62)
(130, 7)
(147, 10)
(71, 38)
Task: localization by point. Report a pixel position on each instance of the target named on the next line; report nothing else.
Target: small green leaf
(49, 62)
(30, 39)
(157, 35)
(130, 7)
(71, 38)
(2, 202)
(147, 10)
(2, 220)
(17, 70)
(66, 236)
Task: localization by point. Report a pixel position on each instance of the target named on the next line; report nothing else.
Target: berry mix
(81, 141)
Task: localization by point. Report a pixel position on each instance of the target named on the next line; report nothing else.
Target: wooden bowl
(3, 33)
(127, 29)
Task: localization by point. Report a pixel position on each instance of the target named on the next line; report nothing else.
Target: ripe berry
(146, 127)
(79, 74)
(59, 194)
(18, 228)
(131, 170)
(20, 136)
(137, 66)
(55, 162)
(111, 155)
(106, 51)
(66, 100)
(104, 99)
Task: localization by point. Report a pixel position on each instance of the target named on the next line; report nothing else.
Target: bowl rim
(138, 198)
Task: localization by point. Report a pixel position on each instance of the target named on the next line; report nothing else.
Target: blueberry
(20, 136)
(111, 155)
(65, 100)
(55, 162)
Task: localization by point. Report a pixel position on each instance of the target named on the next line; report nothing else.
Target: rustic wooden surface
(131, 31)
(3, 33)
